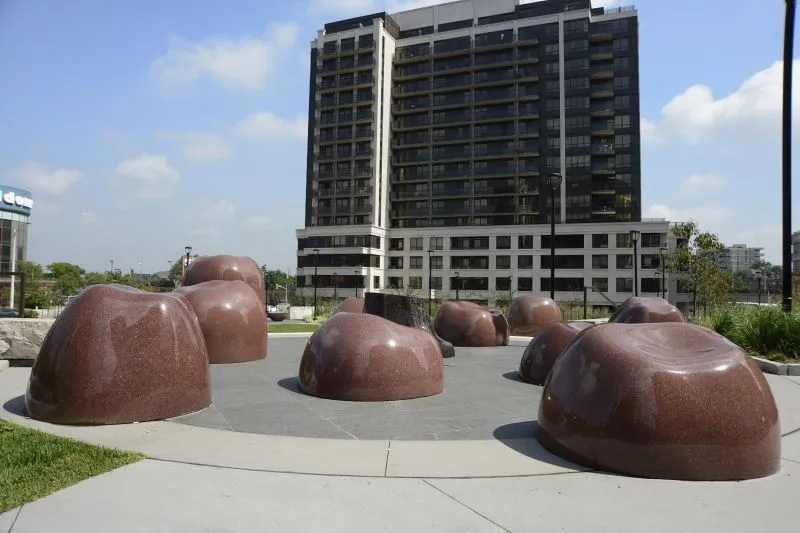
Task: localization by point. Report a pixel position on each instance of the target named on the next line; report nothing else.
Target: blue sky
(145, 126)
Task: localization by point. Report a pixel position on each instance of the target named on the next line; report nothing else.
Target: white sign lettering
(11, 198)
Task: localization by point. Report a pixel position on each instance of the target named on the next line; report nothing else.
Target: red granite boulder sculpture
(637, 310)
(528, 314)
(545, 348)
(366, 358)
(469, 324)
(232, 318)
(117, 355)
(668, 400)
(350, 305)
(226, 268)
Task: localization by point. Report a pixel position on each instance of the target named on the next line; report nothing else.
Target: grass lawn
(291, 328)
(34, 464)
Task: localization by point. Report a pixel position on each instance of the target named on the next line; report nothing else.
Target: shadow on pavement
(16, 406)
(290, 384)
(521, 437)
(514, 376)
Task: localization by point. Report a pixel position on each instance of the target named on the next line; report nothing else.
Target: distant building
(740, 258)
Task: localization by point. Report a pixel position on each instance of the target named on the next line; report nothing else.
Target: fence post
(585, 302)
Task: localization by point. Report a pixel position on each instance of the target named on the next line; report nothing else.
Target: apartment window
(553, 124)
(576, 26)
(624, 240)
(552, 104)
(622, 82)
(574, 262)
(376, 282)
(622, 63)
(651, 261)
(502, 284)
(551, 49)
(578, 122)
(436, 243)
(624, 285)
(578, 141)
(562, 284)
(623, 160)
(651, 285)
(503, 242)
(599, 262)
(600, 284)
(436, 262)
(525, 242)
(576, 64)
(415, 282)
(502, 262)
(552, 67)
(552, 86)
(397, 244)
(573, 241)
(525, 284)
(396, 262)
(395, 283)
(622, 102)
(416, 243)
(525, 262)
(469, 243)
(653, 240)
(576, 45)
(622, 141)
(415, 262)
(577, 102)
(620, 45)
(436, 283)
(622, 121)
(624, 262)
(578, 161)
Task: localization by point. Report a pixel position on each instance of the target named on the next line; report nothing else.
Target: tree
(68, 278)
(695, 255)
(34, 296)
(741, 281)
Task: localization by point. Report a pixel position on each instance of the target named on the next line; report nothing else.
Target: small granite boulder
(668, 400)
(226, 268)
(468, 324)
(117, 355)
(637, 310)
(365, 358)
(545, 348)
(232, 318)
(528, 314)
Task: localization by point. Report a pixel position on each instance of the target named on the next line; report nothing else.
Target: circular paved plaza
(483, 399)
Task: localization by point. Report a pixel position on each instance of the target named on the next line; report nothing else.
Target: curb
(774, 367)
(4, 364)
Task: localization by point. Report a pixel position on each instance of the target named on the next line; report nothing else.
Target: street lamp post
(264, 277)
(554, 182)
(635, 240)
(358, 276)
(188, 250)
(457, 277)
(335, 289)
(788, 59)
(316, 264)
(759, 276)
(663, 274)
(430, 280)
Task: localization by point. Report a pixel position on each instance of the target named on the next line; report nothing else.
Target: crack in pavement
(467, 506)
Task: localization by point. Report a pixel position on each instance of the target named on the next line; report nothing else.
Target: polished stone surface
(277, 316)
(543, 350)
(406, 311)
(365, 358)
(232, 318)
(637, 310)
(668, 400)
(226, 268)
(117, 355)
(528, 314)
(465, 323)
(350, 305)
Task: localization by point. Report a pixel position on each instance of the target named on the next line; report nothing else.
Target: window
(622, 82)
(502, 284)
(576, 64)
(576, 26)
(622, 141)
(436, 262)
(551, 49)
(395, 283)
(469, 243)
(622, 121)
(622, 102)
(650, 285)
(525, 284)
(624, 262)
(577, 102)
(553, 124)
(397, 244)
(624, 240)
(624, 285)
(600, 284)
(503, 242)
(415, 262)
(525, 242)
(620, 45)
(573, 262)
(395, 262)
(578, 122)
(525, 261)
(436, 283)
(599, 262)
(653, 240)
(622, 63)
(577, 83)
(577, 45)
(578, 141)
(416, 243)
(564, 241)
(562, 284)
(623, 160)
(552, 67)
(436, 243)
(376, 282)
(415, 282)
(651, 261)
(502, 262)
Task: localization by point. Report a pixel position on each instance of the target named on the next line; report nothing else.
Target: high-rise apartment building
(432, 133)
(740, 258)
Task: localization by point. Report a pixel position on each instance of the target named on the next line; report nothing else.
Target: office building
(437, 128)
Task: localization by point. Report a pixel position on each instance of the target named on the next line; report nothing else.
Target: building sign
(15, 200)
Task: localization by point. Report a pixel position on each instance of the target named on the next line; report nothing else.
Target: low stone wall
(21, 338)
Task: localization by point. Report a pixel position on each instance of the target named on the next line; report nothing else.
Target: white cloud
(38, 177)
(198, 145)
(709, 217)
(257, 224)
(221, 209)
(698, 183)
(208, 219)
(406, 5)
(87, 218)
(245, 63)
(757, 104)
(148, 168)
(269, 125)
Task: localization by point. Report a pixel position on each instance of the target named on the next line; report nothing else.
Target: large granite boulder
(350, 305)
(232, 318)
(668, 400)
(226, 268)
(406, 311)
(528, 314)
(365, 358)
(117, 355)
(465, 323)
(545, 348)
(21, 338)
(636, 310)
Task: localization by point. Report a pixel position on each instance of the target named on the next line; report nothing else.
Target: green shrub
(30, 313)
(764, 331)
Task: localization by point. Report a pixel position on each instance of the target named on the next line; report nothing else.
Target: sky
(143, 126)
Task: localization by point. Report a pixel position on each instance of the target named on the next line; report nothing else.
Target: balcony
(604, 53)
(412, 176)
(365, 133)
(605, 90)
(362, 209)
(449, 82)
(362, 191)
(409, 194)
(495, 59)
(364, 80)
(409, 106)
(451, 191)
(508, 113)
(452, 210)
(601, 37)
(325, 192)
(408, 89)
(528, 169)
(496, 170)
(495, 95)
(411, 71)
(411, 139)
(326, 156)
(412, 212)
(602, 111)
(495, 76)
(452, 99)
(444, 154)
(528, 129)
(343, 191)
(412, 53)
(603, 171)
(483, 132)
(603, 130)
(603, 149)
(363, 116)
(452, 117)
(363, 171)
(604, 72)
(399, 160)
(604, 190)
(490, 190)
(604, 210)
(495, 150)
(324, 210)
(364, 153)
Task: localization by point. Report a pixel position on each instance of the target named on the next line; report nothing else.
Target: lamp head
(554, 179)
(634, 233)
(188, 250)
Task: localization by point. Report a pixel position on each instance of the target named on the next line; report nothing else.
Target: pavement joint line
(16, 517)
(792, 432)
(230, 427)
(459, 502)
(386, 464)
(790, 460)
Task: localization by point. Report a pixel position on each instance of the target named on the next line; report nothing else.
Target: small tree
(696, 255)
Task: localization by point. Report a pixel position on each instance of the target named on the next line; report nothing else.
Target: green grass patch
(34, 464)
(292, 328)
(764, 331)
